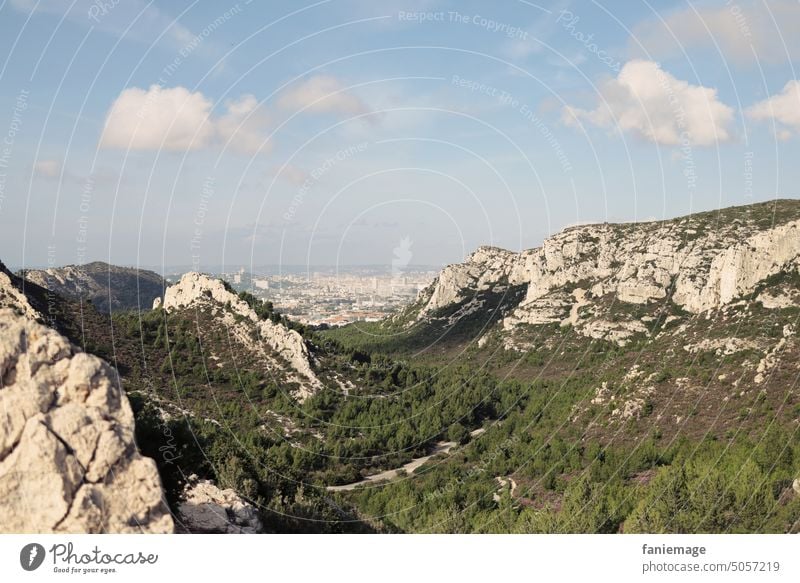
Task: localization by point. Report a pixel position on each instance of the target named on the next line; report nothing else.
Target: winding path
(440, 447)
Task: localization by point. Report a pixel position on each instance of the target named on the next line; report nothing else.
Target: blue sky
(163, 133)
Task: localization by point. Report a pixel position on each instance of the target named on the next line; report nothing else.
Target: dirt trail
(440, 447)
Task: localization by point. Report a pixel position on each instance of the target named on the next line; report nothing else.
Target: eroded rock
(209, 509)
(700, 264)
(68, 461)
(14, 299)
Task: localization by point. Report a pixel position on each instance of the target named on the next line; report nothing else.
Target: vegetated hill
(110, 288)
(202, 417)
(652, 357)
(226, 388)
(603, 281)
(80, 322)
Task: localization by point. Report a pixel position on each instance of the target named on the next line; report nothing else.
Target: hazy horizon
(274, 268)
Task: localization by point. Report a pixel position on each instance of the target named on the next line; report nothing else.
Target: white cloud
(651, 103)
(784, 108)
(745, 31)
(242, 127)
(47, 168)
(323, 94)
(178, 119)
(158, 118)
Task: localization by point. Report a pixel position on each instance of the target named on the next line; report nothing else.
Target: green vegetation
(685, 487)
(699, 454)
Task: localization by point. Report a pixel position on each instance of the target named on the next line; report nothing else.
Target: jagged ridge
(197, 289)
(110, 287)
(699, 262)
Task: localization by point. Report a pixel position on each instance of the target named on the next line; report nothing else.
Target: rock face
(486, 267)
(109, 287)
(702, 262)
(13, 298)
(207, 509)
(68, 461)
(197, 289)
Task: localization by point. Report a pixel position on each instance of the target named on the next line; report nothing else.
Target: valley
(620, 378)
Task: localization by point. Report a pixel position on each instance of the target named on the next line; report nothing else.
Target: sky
(334, 132)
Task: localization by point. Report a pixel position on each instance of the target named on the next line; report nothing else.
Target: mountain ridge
(639, 263)
(109, 287)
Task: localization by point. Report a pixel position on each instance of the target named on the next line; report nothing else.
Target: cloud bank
(784, 108)
(178, 119)
(652, 104)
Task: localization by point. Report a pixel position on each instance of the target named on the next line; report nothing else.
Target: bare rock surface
(701, 262)
(68, 460)
(13, 298)
(109, 287)
(209, 509)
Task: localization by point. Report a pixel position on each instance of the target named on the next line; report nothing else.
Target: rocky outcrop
(109, 287)
(68, 461)
(207, 509)
(12, 297)
(721, 346)
(197, 289)
(779, 299)
(483, 269)
(702, 262)
(773, 357)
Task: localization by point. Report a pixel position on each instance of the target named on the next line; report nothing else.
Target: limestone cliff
(701, 262)
(68, 460)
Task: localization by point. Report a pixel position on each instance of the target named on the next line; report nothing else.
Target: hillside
(229, 390)
(110, 288)
(687, 325)
(657, 348)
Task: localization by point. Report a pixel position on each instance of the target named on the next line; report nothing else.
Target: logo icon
(31, 556)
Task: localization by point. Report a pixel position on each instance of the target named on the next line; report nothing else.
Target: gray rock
(12, 298)
(207, 508)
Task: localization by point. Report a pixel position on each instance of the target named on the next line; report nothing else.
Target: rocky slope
(12, 297)
(199, 291)
(68, 461)
(696, 264)
(205, 508)
(109, 287)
